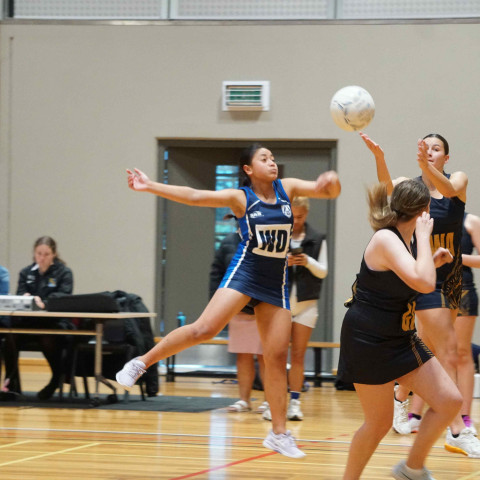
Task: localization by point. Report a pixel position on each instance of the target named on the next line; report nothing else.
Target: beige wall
(79, 103)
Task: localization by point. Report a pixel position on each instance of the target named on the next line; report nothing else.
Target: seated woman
(46, 277)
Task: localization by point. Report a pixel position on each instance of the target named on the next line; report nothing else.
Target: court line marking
(186, 476)
(150, 434)
(192, 435)
(43, 455)
(473, 475)
(220, 467)
(14, 444)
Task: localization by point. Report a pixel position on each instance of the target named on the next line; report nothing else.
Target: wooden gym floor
(129, 445)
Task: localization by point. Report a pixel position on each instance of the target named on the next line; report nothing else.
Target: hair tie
(398, 212)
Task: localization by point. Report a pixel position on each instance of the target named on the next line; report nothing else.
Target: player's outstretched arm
(231, 198)
(383, 173)
(327, 185)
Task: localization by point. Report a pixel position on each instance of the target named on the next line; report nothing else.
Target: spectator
(243, 336)
(46, 277)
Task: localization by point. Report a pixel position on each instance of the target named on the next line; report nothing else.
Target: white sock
(413, 471)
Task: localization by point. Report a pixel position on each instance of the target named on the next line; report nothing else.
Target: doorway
(186, 235)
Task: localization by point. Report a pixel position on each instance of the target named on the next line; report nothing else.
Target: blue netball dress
(469, 302)
(447, 214)
(259, 266)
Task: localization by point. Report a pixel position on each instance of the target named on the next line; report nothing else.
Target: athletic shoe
(294, 412)
(261, 408)
(283, 443)
(469, 423)
(238, 407)
(414, 423)
(466, 443)
(130, 373)
(401, 422)
(400, 472)
(267, 414)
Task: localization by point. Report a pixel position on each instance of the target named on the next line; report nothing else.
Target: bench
(317, 351)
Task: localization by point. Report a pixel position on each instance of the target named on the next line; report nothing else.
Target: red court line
(190, 475)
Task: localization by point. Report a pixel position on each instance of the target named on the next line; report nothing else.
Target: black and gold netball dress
(447, 214)
(378, 342)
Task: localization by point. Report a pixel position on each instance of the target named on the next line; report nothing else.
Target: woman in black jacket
(46, 277)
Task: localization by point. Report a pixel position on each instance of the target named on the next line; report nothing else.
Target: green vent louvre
(245, 95)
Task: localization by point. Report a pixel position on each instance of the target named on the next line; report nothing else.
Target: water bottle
(181, 319)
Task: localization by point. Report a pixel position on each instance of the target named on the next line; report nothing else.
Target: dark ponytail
(246, 159)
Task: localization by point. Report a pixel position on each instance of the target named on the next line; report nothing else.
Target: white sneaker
(262, 407)
(267, 414)
(283, 443)
(401, 422)
(130, 373)
(414, 423)
(469, 423)
(466, 443)
(294, 412)
(402, 472)
(238, 407)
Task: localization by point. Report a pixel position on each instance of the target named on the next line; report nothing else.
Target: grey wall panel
(79, 103)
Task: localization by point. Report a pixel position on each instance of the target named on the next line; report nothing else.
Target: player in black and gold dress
(437, 311)
(379, 344)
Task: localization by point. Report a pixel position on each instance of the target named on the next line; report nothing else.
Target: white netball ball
(352, 108)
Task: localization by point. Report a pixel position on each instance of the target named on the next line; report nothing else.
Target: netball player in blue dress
(257, 273)
(436, 312)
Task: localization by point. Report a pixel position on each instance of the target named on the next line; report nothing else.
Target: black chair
(115, 353)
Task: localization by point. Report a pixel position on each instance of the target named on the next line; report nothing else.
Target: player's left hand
(441, 257)
(328, 183)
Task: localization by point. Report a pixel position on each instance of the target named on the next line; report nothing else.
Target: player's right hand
(422, 154)
(137, 180)
(372, 146)
(424, 225)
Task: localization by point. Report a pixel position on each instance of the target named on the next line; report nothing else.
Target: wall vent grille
(246, 96)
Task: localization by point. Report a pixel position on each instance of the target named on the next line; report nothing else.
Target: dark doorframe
(317, 149)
